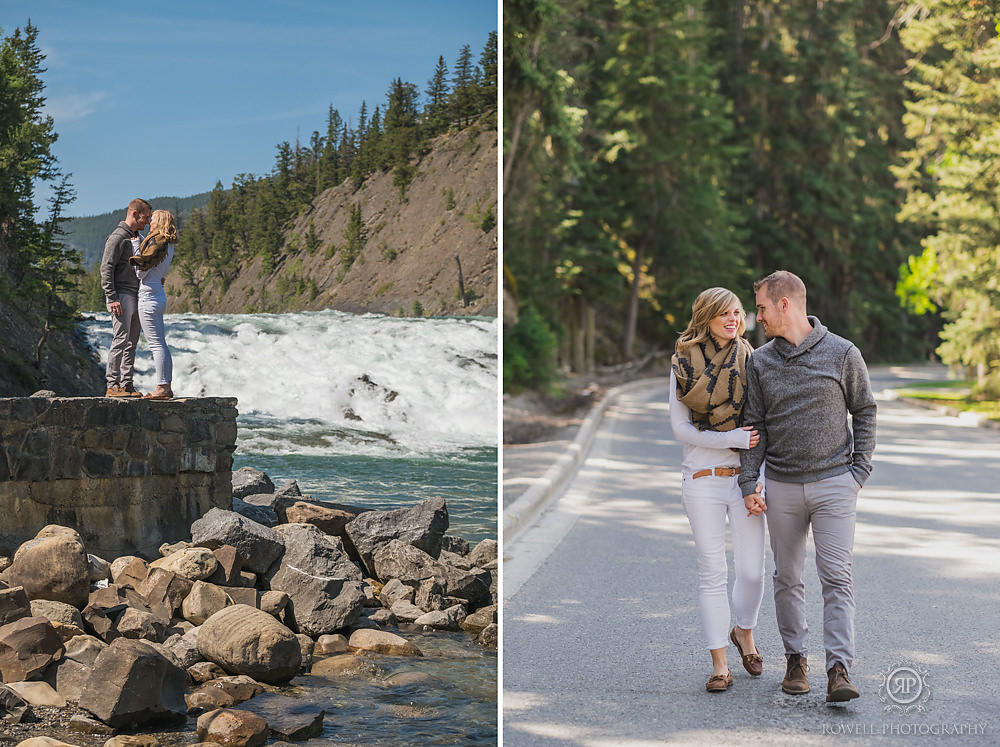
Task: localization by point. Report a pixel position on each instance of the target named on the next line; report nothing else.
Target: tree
(401, 131)
(488, 75)
(436, 112)
(952, 175)
(463, 87)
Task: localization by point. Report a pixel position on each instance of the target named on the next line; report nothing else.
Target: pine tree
(487, 77)
(436, 112)
(463, 87)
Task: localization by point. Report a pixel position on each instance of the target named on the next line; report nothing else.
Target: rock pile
(212, 625)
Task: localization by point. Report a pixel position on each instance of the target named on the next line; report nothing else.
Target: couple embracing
(132, 273)
(766, 434)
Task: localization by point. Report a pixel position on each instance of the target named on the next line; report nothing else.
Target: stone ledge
(127, 474)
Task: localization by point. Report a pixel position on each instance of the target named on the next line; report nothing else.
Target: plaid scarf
(712, 382)
(152, 251)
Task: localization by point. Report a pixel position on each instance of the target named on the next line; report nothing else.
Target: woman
(707, 392)
(151, 265)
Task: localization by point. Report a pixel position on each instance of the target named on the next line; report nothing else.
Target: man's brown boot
(838, 685)
(796, 682)
(116, 391)
(129, 390)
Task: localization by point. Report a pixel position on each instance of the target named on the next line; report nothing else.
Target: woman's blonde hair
(709, 304)
(165, 224)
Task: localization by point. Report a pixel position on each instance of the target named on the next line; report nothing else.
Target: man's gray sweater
(798, 399)
(117, 275)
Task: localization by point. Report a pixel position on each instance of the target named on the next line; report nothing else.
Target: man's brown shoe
(116, 391)
(838, 685)
(130, 391)
(796, 682)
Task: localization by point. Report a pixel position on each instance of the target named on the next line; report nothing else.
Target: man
(121, 292)
(801, 387)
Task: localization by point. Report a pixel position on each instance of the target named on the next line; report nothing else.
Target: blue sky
(166, 99)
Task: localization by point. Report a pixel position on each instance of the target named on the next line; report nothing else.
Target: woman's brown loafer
(719, 683)
(753, 663)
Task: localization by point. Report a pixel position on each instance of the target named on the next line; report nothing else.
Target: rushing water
(373, 411)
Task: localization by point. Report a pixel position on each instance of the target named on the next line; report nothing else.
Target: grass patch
(955, 394)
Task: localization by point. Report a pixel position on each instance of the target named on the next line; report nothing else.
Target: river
(375, 411)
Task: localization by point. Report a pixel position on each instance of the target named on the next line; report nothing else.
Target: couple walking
(132, 272)
(766, 434)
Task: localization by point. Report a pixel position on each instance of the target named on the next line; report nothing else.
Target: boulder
(69, 675)
(194, 563)
(330, 519)
(141, 624)
(14, 604)
(479, 619)
(52, 567)
(261, 514)
(331, 644)
(91, 726)
(421, 526)
(205, 671)
(382, 642)
(408, 564)
(230, 566)
(405, 611)
(100, 569)
(259, 545)
(203, 602)
(484, 553)
(489, 637)
(184, 648)
(132, 684)
(129, 570)
(27, 646)
(38, 694)
(457, 545)
(169, 548)
(430, 595)
(274, 602)
(244, 640)
(322, 582)
(165, 591)
(250, 481)
(394, 590)
(383, 617)
(290, 719)
(243, 595)
(13, 708)
(232, 727)
(57, 612)
(447, 619)
(224, 691)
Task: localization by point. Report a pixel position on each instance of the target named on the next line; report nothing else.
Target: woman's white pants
(709, 501)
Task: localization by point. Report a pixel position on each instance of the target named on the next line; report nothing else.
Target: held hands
(754, 502)
(754, 436)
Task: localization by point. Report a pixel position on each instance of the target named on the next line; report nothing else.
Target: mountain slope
(407, 265)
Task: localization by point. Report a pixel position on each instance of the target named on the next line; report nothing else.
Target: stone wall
(127, 474)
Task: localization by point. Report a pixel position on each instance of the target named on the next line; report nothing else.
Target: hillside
(407, 265)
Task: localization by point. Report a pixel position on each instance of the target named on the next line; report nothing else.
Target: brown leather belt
(718, 472)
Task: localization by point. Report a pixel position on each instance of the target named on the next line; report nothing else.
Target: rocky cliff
(415, 243)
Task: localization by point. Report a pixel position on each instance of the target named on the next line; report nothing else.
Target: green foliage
(417, 309)
(529, 347)
(952, 177)
(449, 198)
(354, 239)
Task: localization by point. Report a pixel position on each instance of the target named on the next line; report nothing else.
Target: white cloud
(74, 106)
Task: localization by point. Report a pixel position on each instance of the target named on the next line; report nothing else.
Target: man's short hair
(139, 204)
(782, 284)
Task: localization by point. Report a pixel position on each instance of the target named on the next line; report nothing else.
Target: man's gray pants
(830, 506)
(125, 331)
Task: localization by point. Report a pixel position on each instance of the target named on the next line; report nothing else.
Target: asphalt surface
(602, 643)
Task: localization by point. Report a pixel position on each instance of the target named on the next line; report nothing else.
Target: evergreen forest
(656, 148)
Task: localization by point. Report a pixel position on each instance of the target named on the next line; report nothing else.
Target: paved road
(602, 643)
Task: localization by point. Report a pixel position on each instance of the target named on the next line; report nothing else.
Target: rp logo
(904, 689)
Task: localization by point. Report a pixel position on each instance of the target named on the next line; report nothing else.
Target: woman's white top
(703, 449)
(151, 281)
